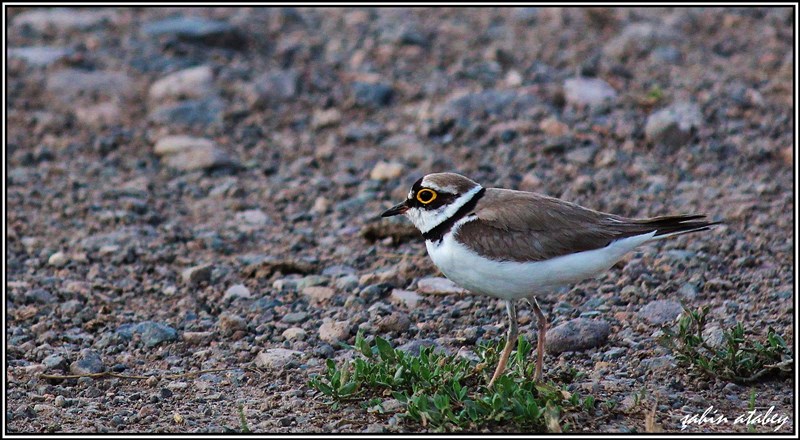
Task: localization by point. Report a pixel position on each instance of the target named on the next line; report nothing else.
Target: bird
(514, 245)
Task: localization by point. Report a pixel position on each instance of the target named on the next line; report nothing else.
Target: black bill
(397, 209)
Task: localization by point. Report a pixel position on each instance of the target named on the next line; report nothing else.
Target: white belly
(512, 280)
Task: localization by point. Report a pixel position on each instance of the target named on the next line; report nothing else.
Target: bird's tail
(671, 225)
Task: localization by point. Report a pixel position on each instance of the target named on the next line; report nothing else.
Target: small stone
(405, 297)
(230, 323)
(787, 155)
(237, 291)
(197, 338)
(255, 217)
(635, 40)
(325, 118)
(58, 259)
(394, 322)
(275, 86)
(311, 280)
(674, 125)
(54, 362)
(90, 363)
(294, 317)
(577, 335)
(63, 19)
(40, 296)
(195, 82)
(688, 291)
(347, 283)
(714, 336)
(553, 127)
(69, 84)
(191, 112)
(99, 115)
(153, 333)
(294, 333)
(661, 311)
(438, 286)
(588, 91)
(386, 171)
(192, 29)
(197, 274)
(276, 358)
(334, 331)
(191, 153)
(338, 270)
(318, 293)
(39, 56)
(413, 347)
(662, 363)
(60, 401)
(372, 95)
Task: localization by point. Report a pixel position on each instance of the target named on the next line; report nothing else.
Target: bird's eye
(426, 196)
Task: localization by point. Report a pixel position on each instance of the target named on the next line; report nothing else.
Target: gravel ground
(200, 190)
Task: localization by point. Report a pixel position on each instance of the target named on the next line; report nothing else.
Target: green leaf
(384, 349)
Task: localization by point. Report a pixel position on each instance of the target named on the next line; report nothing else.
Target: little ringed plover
(512, 244)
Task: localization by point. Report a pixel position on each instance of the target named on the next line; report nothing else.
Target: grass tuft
(740, 358)
(449, 393)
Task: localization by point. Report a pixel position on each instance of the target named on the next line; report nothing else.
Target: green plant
(739, 358)
(448, 393)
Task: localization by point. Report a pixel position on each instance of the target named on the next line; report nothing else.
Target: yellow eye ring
(426, 196)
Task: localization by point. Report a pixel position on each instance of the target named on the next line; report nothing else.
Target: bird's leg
(511, 339)
(542, 326)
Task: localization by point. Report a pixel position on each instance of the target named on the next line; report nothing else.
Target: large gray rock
(577, 335)
(661, 311)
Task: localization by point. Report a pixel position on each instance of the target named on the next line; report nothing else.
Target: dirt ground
(132, 251)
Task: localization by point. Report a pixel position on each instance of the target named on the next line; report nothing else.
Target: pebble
(714, 336)
(193, 29)
(325, 118)
(346, 283)
(338, 270)
(311, 280)
(413, 347)
(254, 217)
(230, 323)
(386, 171)
(63, 19)
(405, 297)
(197, 338)
(636, 39)
(661, 311)
(54, 362)
(58, 259)
(294, 333)
(190, 112)
(334, 331)
(688, 291)
(395, 322)
(194, 82)
(674, 125)
(661, 363)
(89, 363)
(318, 293)
(195, 275)
(276, 358)
(189, 153)
(577, 335)
(438, 286)
(68, 84)
(275, 86)
(551, 126)
(39, 56)
(236, 291)
(99, 115)
(372, 95)
(153, 333)
(40, 296)
(294, 317)
(588, 91)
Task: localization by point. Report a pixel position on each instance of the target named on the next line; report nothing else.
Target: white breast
(511, 279)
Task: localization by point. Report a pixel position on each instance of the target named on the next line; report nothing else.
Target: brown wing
(522, 226)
